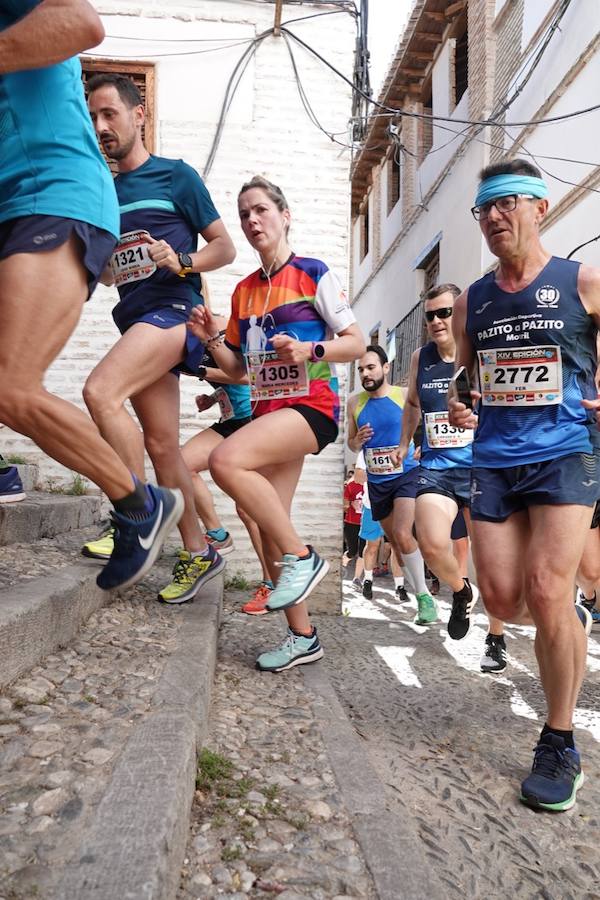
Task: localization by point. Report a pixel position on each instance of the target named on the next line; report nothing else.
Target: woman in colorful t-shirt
(281, 331)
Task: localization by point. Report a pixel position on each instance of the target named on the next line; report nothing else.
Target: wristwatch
(187, 266)
(202, 373)
(318, 352)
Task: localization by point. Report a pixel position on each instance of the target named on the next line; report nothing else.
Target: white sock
(413, 564)
(398, 581)
(368, 575)
(202, 553)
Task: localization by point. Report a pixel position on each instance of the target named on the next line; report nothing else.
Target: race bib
(441, 434)
(131, 260)
(225, 404)
(378, 461)
(271, 378)
(529, 376)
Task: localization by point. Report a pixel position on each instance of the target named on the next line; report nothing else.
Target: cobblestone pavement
(277, 827)
(451, 746)
(23, 561)
(62, 727)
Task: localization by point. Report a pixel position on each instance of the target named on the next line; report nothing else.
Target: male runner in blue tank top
(527, 331)
(59, 223)
(156, 267)
(374, 426)
(444, 483)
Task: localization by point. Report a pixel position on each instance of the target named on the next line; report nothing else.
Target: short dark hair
(439, 289)
(128, 91)
(510, 167)
(379, 351)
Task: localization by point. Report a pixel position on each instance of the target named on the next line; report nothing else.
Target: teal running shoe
(296, 650)
(298, 578)
(427, 611)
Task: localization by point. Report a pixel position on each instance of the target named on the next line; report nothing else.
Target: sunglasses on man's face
(444, 313)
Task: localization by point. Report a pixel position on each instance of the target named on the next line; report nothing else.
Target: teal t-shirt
(50, 163)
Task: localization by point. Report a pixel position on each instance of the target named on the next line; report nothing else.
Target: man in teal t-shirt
(59, 221)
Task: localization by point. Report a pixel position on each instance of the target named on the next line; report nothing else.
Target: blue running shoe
(555, 778)
(296, 650)
(585, 616)
(138, 542)
(298, 578)
(11, 486)
(591, 607)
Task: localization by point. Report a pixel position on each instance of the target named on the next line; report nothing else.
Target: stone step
(97, 775)
(44, 515)
(41, 614)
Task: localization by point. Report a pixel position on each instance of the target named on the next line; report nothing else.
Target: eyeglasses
(502, 204)
(443, 313)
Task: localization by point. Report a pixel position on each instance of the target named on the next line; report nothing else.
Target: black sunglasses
(443, 313)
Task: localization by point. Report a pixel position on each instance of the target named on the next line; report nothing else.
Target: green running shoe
(298, 578)
(427, 611)
(190, 574)
(101, 548)
(296, 650)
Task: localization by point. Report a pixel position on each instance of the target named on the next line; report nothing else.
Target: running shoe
(427, 611)
(555, 778)
(357, 583)
(11, 486)
(402, 595)
(463, 602)
(381, 571)
(101, 548)
(494, 656)
(257, 605)
(435, 586)
(585, 617)
(223, 547)
(138, 542)
(296, 650)
(190, 574)
(298, 578)
(367, 589)
(594, 612)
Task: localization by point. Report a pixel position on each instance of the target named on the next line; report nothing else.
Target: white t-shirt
(361, 464)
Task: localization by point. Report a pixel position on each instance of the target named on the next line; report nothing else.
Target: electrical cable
(585, 243)
(429, 116)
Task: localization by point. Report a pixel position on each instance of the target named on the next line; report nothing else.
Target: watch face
(186, 260)
(319, 351)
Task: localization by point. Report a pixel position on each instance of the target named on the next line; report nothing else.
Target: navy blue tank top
(536, 357)
(444, 446)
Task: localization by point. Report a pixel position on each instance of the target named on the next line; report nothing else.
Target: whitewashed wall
(267, 132)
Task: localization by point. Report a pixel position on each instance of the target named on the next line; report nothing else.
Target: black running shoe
(402, 595)
(367, 589)
(494, 657)
(463, 602)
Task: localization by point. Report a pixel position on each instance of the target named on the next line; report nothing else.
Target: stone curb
(135, 846)
(45, 516)
(39, 615)
(391, 848)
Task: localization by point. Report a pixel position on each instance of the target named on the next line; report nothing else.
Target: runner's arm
(356, 436)
(458, 414)
(220, 377)
(51, 32)
(203, 325)
(411, 415)
(588, 286)
(348, 346)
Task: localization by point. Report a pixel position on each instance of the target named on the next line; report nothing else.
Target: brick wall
(508, 55)
(279, 142)
(482, 56)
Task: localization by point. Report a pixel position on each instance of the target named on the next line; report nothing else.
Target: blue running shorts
(35, 234)
(383, 493)
(369, 530)
(454, 482)
(498, 493)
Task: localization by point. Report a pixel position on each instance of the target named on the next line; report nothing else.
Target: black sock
(136, 504)
(299, 633)
(590, 600)
(498, 638)
(567, 736)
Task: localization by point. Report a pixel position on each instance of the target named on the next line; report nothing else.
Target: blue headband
(505, 185)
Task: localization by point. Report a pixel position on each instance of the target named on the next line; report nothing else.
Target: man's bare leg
(39, 313)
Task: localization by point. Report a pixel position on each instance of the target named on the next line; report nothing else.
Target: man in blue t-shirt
(58, 226)
(527, 333)
(156, 268)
